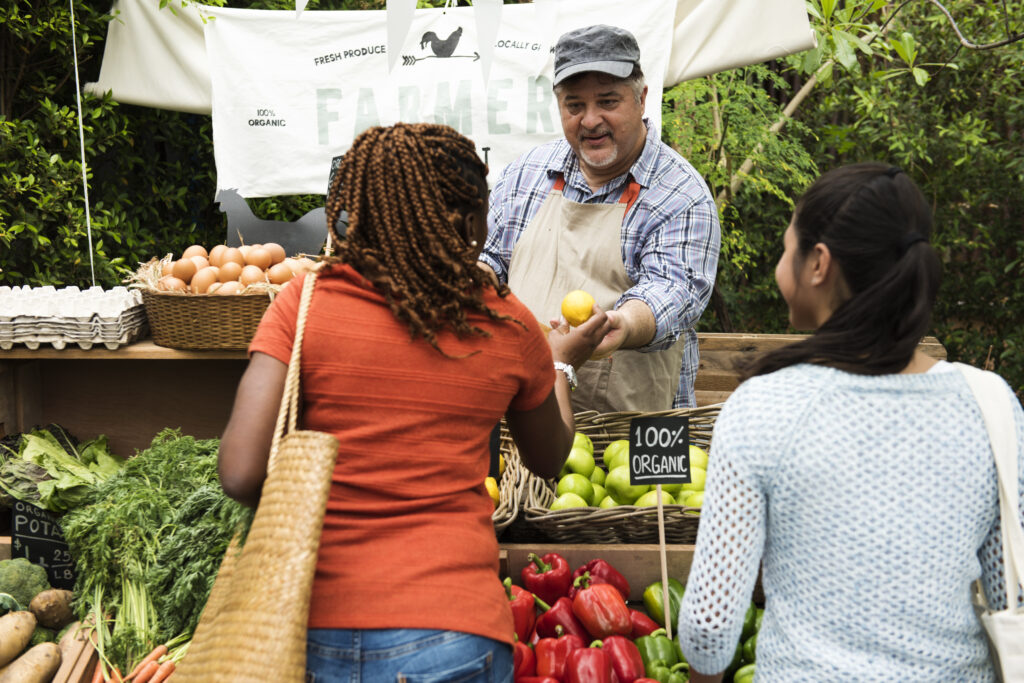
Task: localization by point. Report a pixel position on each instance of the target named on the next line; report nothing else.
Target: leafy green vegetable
(47, 470)
(148, 544)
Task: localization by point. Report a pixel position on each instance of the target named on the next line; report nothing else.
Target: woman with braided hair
(410, 357)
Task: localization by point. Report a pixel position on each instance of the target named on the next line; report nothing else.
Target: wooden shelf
(143, 350)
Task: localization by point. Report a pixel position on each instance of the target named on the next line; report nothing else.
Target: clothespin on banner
(299, 6)
(400, 14)
(487, 14)
(659, 453)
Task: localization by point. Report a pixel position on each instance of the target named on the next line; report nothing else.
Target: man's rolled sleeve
(674, 269)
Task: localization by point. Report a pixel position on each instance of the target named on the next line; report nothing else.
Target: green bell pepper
(663, 672)
(656, 647)
(749, 622)
(654, 600)
(744, 675)
(757, 619)
(749, 649)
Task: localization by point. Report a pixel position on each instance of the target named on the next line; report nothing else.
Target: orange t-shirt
(408, 540)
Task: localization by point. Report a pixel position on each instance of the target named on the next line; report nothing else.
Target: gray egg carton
(34, 316)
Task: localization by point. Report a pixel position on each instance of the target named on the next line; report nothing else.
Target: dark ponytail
(876, 224)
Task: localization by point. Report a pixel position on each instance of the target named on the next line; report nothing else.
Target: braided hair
(407, 189)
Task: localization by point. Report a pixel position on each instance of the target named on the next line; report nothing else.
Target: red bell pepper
(553, 653)
(548, 577)
(627, 663)
(524, 612)
(542, 679)
(589, 665)
(559, 614)
(643, 625)
(524, 661)
(601, 610)
(601, 572)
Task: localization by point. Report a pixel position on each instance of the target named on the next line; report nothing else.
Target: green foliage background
(890, 81)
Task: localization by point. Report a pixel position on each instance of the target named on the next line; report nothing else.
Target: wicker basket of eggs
(213, 299)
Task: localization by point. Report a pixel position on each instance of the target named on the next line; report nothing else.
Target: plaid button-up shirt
(670, 237)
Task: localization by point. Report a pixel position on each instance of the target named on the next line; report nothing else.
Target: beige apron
(571, 246)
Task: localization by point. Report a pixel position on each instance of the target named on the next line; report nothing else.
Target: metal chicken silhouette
(442, 49)
(304, 236)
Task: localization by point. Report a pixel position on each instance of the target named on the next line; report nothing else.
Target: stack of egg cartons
(46, 315)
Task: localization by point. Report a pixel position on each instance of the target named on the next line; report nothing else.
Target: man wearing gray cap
(611, 210)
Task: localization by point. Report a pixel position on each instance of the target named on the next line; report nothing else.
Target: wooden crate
(79, 660)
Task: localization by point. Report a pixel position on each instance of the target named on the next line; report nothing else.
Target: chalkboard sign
(36, 535)
(659, 450)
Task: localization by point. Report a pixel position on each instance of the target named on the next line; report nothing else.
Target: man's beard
(613, 153)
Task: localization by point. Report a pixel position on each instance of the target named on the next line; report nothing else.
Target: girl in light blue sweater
(856, 469)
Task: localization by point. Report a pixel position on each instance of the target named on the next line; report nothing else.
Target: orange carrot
(158, 652)
(97, 675)
(115, 676)
(164, 672)
(147, 671)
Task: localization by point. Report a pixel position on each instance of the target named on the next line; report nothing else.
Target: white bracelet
(569, 372)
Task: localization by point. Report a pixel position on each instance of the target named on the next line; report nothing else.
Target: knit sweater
(871, 502)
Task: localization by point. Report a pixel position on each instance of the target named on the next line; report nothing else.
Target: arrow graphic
(409, 60)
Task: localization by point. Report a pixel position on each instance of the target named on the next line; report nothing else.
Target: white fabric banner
(289, 92)
(290, 95)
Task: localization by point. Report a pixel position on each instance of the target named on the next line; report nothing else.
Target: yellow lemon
(577, 306)
(492, 488)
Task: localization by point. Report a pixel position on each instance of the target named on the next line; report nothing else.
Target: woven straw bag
(1005, 628)
(253, 628)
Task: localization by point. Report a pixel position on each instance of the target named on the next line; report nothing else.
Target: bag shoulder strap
(288, 413)
(997, 412)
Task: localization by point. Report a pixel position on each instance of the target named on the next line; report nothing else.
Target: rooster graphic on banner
(441, 48)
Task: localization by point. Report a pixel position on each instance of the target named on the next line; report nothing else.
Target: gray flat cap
(608, 49)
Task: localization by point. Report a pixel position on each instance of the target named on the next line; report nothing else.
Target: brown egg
(245, 249)
(194, 250)
(229, 288)
(184, 269)
(200, 261)
(230, 271)
(259, 257)
(172, 284)
(277, 253)
(280, 273)
(251, 275)
(234, 255)
(165, 269)
(217, 255)
(300, 264)
(202, 280)
(214, 287)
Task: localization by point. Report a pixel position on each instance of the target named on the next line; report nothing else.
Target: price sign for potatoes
(659, 450)
(36, 535)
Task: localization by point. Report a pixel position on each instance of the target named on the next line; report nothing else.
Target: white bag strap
(997, 412)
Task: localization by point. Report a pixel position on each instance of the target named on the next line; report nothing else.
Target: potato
(38, 665)
(53, 608)
(15, 631)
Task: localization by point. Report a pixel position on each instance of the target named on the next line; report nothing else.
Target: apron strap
(629, 196)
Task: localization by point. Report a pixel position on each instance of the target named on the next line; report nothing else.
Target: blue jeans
(405, 656)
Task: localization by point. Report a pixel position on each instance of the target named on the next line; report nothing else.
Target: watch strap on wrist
(569, 372)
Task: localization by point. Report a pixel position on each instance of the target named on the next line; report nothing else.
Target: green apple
(651, 498)
(598, 475)
(599, 493)
(568, 500)
(672, 489)
(695, 499)
(581, 461)
(698, 457)
(697, 477)
(617, 484)
(576, 483)
(581, 440)
(607, 502)
(617, 453)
